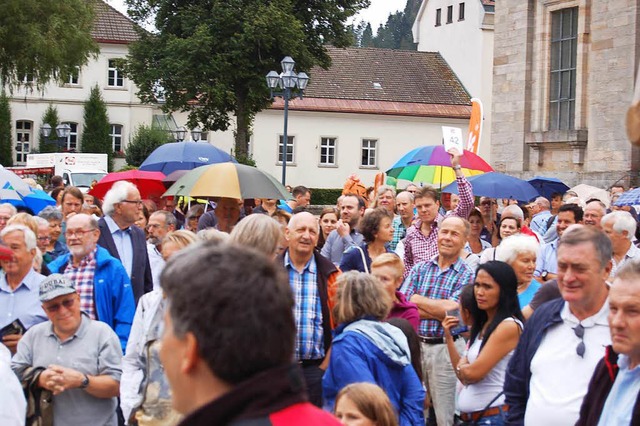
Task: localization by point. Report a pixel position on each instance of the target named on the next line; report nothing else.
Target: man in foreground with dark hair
(229, 364)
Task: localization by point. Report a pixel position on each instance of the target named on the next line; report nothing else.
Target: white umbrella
(586, 192)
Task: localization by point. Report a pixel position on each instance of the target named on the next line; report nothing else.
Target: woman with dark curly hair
(377, 230)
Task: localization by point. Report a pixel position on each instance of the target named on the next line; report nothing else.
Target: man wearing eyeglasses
(75, 358)
(99, 278)
(19, 285)
(564, 339)
(123, 240)
(160, 224)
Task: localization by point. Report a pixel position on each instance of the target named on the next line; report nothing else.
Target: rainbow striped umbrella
(432, 165)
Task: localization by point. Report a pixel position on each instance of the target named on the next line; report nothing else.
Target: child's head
(364, 404)
(467, 304)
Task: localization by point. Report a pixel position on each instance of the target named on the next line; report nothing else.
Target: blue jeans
(495, 420)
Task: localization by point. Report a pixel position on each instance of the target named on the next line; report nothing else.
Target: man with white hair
(19, 285)
(594, 211)
(620, 227)
(123, 240)
(160, 224)
(541, 216)
(7, 211)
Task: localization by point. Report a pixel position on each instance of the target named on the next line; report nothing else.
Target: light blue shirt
(622, 398)
(23, 303)
(124, 245)
(539, 222)
(335, 245)
(548, 259)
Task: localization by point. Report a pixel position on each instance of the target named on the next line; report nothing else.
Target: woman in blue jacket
(366, 349)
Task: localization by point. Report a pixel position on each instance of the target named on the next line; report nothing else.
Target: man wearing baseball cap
(74, 357)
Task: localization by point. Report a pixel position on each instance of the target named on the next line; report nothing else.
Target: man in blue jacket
(100, 279)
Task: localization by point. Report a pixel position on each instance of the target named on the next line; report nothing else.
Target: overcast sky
(376, 13)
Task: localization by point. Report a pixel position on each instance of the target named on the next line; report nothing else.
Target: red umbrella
(5, 253)
(149, 183)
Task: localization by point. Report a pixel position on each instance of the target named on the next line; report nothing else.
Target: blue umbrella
(629, 198)
(498, 185)
(546, 186)
(174, 156)
(36, 201)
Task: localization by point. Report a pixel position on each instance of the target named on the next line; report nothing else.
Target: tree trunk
(243, 121)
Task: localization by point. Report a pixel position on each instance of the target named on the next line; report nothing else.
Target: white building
(462, 32)
(359, 116)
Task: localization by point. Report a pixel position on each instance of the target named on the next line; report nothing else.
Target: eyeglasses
(579, 331)
(44, 238)
(67, 303)
(78, 232)
(195, 217)
(136, 202)
(486, 203)
(4, 218)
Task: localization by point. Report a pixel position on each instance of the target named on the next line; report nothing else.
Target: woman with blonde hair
(366, 349)
(259, 231)
(364, 404)
(145, 395)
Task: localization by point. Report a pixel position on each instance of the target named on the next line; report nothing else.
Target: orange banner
(475, 126)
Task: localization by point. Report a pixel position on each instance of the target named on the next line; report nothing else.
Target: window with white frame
(328, 151)
(562, 84)
(115, 76)
(116, 137)
(369, 150)
(74, 77)
(72, 139)
(24, 136)
(290, 148)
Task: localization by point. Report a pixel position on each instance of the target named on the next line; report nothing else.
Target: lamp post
(180, 133)
(62, 131)
(287, 81)
(196, 133)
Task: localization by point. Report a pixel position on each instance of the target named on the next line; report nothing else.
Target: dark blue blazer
(141, 279)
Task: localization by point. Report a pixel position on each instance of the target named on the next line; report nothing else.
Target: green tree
(6, 153)
(144, 141)
(46, 39)
(211, 58)
(367, 36)
(95, 134)
(50, 116)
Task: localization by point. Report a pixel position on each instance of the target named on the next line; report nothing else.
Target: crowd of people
(410, 308)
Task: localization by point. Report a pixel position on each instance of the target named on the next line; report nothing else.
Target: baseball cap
(55, 285)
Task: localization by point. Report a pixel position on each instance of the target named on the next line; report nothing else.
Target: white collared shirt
(123, 242)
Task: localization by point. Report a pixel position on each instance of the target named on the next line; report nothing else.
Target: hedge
(325, 197)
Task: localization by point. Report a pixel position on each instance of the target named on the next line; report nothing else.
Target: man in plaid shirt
(404, 206)
(434, 286)
(421, 241)
(99, 278)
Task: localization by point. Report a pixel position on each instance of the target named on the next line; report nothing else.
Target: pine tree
(95, 134)
(144, 141)
(367, 36)
(6, 154)
(50, 117)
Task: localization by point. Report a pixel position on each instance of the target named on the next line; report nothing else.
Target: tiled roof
(387, 75)
(489, 5)
(407, 109)
(112, 26)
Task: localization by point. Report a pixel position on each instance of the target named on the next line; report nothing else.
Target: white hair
(514, 245)
(10, 207)
(41, 221)
(513, 211)
(118, 192)
(621, 221)
(29, 236)
(543, 203)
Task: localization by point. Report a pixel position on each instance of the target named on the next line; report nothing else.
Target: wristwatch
(458, 167)
(85, 382)
(544, 275)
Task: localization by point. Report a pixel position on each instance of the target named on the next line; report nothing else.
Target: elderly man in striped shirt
(434, 286)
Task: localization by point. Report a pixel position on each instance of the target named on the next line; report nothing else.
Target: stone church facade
(563, 79)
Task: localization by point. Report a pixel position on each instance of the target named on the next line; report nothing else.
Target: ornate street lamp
(196, 133)
(180, 133)
(287, 81)
(62, 131)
